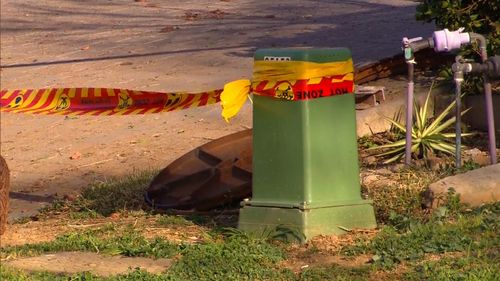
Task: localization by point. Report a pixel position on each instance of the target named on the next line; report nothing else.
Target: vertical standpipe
(488, 99)
(305, 159)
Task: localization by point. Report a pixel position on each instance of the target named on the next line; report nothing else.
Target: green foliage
(457, 269)
(168, 220)
(389, 200)
(116, 195)
(105, 198)
(474, 234)
(108, 239)
(334, 272)
(279, 233)
(428, 135)
(366, 142)
(238, 258)
(480, 16)
(17, 275)
(402, 193)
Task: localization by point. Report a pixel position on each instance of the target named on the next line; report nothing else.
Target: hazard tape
(109, 101)
(305, 89)
(291, 80)
(100, 101)
(236, 93)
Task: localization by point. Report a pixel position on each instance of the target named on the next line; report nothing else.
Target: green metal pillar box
(305, 158)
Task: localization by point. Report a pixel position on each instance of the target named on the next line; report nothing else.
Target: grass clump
(237, 258)
(442, 234)
(402, 193)
(105, 198)
(169, 220)
(107, 240)
(457, 269)
(11, 274)
(117, 195)
(335, 272)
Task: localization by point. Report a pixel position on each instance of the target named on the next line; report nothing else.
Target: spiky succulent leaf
(427, 138)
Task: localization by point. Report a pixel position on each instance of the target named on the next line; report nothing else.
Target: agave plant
(428, 135)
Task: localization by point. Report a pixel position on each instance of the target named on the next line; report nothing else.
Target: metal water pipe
(489, 69)
(488, 98)
(441, 41)
(458, 75)
(410, 46)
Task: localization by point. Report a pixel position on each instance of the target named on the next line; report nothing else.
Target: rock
(69, 197)
(474, 187)
(370, 160)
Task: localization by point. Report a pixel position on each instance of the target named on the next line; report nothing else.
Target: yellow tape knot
(233, 97)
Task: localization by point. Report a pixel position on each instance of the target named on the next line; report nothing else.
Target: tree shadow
(370, 30)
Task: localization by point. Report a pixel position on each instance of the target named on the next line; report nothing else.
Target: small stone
(69, 197)
(370, 160)
(75, 156)
(114, 216)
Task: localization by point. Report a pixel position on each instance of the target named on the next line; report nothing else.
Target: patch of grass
(366, 142)
(279, 233)
(108, 240)
(117, 195)
(169, 220)
(475, 232)
(403, 193)
(84, 214)
(11, 274)
(105, 198)
(335, 272)
(389, 200)
(464, 268)
(22, 220)
(237, 258)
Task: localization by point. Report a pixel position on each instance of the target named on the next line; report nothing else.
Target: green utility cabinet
(305, 158)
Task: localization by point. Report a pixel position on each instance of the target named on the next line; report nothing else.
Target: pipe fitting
(491, 67)
(447, 41)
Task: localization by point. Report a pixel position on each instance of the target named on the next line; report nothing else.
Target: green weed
(116, 195)
(169, 220)
(235, 259)
(366, 142)
(17, 275)
(451, 269)
(474, 232)
(334, 272)
(108, 240)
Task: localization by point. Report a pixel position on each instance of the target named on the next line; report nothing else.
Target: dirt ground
(162, 46)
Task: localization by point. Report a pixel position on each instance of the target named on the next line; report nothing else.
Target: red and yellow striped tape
(292, 81)
(100, 101)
